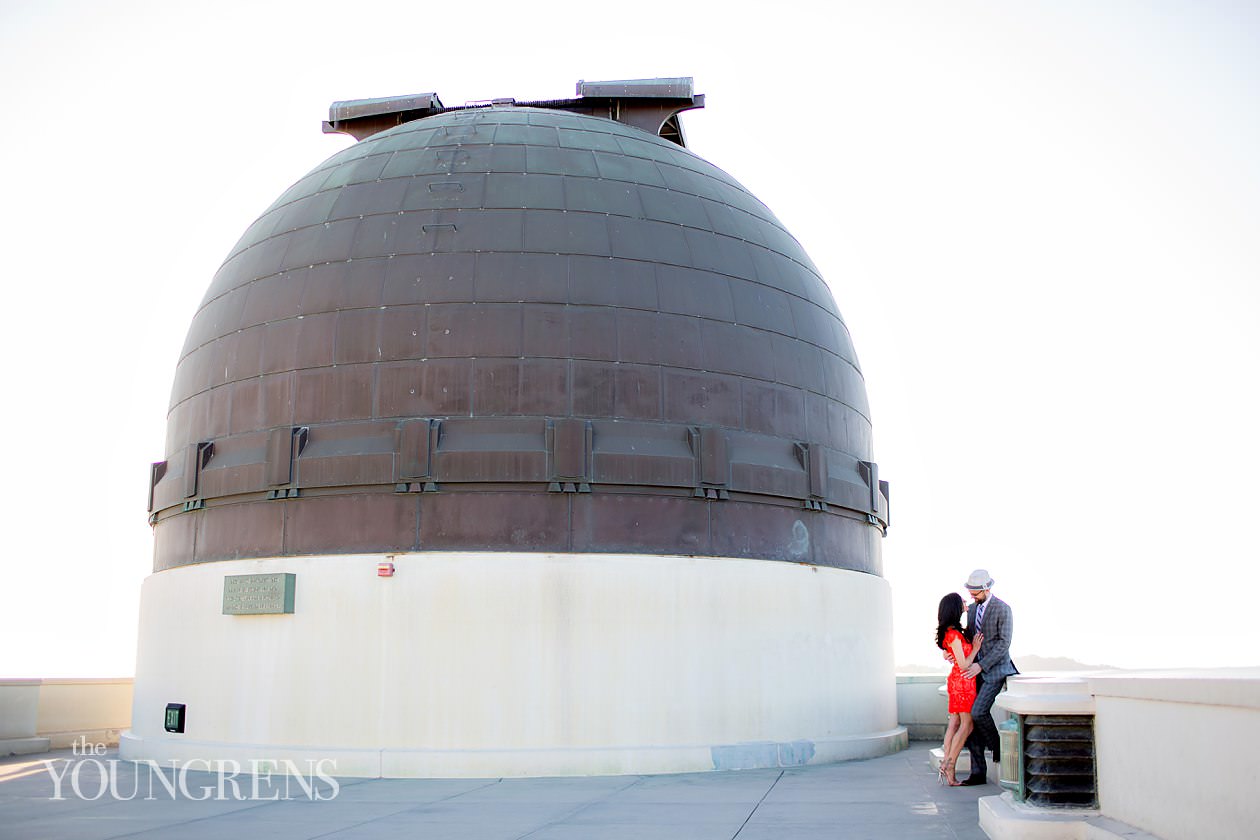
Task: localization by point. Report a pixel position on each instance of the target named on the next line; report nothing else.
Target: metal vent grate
(1059, 760)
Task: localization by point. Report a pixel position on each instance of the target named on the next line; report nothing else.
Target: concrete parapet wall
(1174, 756)
(1176, 752)
(920, 707)
(19, 708)
(923, 706)
(94, 709)
(42, 714)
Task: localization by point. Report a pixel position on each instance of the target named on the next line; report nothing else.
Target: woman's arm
(964, 662)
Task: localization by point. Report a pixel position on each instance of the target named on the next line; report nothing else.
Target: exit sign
(175, 717)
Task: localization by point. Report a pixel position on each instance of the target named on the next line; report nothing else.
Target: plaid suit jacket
(999, 625)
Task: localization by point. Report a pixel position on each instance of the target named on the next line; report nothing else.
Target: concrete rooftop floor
(887, 798)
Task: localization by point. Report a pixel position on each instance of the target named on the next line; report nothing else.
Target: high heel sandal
(949, 773)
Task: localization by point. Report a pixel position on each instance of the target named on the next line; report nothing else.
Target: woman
(961, 649)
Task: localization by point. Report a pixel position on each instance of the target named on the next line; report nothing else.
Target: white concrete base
(437, 764)
(480, 664)
(1001, 818)
(23, 746)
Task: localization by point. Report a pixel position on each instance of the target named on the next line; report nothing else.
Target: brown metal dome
(518, 328)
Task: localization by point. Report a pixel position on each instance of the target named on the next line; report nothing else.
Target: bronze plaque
(259, 594)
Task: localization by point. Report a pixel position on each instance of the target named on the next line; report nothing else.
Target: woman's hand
(977, 641)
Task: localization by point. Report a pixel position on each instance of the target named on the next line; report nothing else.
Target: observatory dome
(517, 439)
(605, 338)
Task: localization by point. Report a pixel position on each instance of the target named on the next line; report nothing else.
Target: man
(992, 617)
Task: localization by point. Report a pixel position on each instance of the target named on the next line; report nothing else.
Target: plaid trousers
(984, 732)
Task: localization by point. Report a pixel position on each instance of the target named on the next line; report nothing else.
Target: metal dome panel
(518, 328)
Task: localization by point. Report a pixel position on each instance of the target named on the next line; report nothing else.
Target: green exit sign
(175, 717)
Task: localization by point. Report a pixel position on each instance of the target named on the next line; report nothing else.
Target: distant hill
(1025, 662)
(1030, 662)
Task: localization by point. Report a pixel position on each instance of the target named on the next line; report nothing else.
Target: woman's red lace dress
(962, 691)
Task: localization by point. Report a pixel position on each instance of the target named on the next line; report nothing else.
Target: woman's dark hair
(949, 614)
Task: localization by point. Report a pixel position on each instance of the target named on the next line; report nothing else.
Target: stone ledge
(23, 746)
(1219, 687)
(925, 731)
(65, 740)
(1002, 818)
(86, 681)
(1047, 696)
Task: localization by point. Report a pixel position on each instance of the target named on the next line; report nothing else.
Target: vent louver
(1059, 761)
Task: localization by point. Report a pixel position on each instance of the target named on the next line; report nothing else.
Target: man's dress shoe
(973, 780)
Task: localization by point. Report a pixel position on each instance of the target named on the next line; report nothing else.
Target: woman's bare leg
(951, 731)
(960, 738)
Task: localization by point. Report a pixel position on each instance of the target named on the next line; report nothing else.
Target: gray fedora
(979, 580)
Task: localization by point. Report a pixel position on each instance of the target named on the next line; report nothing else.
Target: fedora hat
(979, 580)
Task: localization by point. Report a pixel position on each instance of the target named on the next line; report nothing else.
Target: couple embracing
(981, 653)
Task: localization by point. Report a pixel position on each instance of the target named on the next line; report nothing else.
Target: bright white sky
(1041, 222)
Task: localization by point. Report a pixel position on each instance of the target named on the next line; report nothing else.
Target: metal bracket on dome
(157, 471)
(362, 118)
(196, 457)
(650, 104)
(416, 487)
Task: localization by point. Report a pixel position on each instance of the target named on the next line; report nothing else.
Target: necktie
(980, 615)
